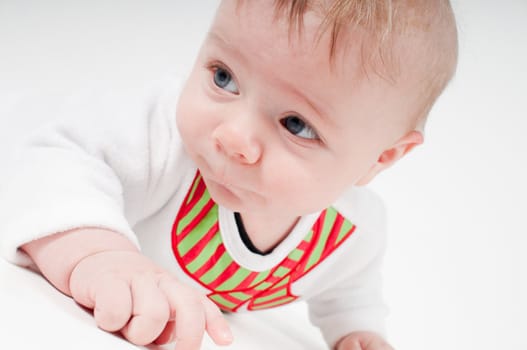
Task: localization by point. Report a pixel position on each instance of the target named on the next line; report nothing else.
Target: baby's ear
(392, 155)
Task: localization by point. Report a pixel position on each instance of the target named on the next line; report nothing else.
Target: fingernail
(226, 335)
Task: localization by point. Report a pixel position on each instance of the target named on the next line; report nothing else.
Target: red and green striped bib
(198, 248)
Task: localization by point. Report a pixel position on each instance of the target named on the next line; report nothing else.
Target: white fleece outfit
(119, 164)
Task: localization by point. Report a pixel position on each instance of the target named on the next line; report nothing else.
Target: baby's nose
(237, 144)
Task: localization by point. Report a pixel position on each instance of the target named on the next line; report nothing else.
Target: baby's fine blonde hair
(386, 26)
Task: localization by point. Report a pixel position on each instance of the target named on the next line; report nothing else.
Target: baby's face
(275, 125)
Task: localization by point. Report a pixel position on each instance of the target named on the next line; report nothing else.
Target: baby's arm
(112, 165)
(351, 314)
(351, 311)
(102, 270)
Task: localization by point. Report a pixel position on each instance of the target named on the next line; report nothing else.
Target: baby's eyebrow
(321, 114)
(219, 39)
(322, 111)
(226, 46)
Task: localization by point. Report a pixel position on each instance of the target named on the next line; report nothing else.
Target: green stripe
(279, 293)
(199, 231)
(184, 221)
(259, 278)
(282, 282)
(240, 295)
(326, 230)
(235, 280)
(278, 302)
(281, 271)
(346, 227)
(296, 255)
(222, 301)
(309, 236)
(193, 189)
(205, 254)
(329, 221)
(217, 269)
(263, 286)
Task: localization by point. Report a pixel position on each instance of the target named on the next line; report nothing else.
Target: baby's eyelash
(215, 65)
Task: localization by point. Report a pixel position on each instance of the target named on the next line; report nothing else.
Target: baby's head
(291, 102)
(397, 40)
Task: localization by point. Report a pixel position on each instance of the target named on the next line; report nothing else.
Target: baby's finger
(189, 314)
(112, 304)
(353, 344)
(150, 311)
(167, 335)
(216, 325)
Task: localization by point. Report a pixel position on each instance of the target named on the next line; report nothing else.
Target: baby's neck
(266, 232)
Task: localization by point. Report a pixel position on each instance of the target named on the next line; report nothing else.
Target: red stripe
(232, 299)
(196, 220)
(317, 228)
(274, 290)
(190, 202)
(225, 307)
(349, 233)
(210, 263)
(288, 296)
(286, 263)
(225, 275)
(253, 291)
(289, 264)
(273, 279)
(330, 242)
(246, 283)
(228, 297)
(303, 246)
(196, 250)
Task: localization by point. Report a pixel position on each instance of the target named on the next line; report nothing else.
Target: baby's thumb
(349, 343)
(216, 325)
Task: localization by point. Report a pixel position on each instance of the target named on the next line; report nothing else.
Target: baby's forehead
(390, 35)
(411, 45)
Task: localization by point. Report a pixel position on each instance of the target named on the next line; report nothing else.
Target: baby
(243, 189)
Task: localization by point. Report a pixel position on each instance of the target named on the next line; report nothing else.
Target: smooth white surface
(455, 268)
(36, 316)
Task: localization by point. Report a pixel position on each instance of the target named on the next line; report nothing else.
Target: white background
(455, 269)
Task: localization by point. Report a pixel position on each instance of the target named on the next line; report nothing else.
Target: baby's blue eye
(223, 80)
(298, 127)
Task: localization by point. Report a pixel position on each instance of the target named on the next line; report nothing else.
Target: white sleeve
(353, 300)
(108, 165)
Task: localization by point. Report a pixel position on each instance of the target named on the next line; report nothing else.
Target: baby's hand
(130, 294)
(363, 341)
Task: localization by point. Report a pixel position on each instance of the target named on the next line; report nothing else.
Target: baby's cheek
(301, 196)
